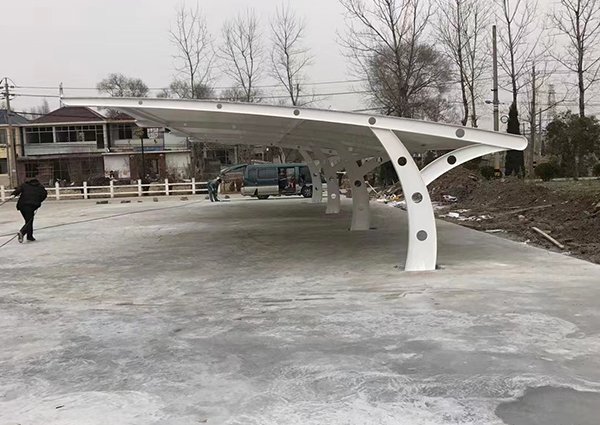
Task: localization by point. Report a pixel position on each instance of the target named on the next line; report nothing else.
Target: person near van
(31, 195)
(213, 189)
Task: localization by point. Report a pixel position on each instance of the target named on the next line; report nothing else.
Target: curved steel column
(315, 174)
(422, 233)
(333, 187)
(445, 163)
(361, 216)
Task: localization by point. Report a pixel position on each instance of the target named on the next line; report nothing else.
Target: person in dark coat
(213, 189)
(31, 195)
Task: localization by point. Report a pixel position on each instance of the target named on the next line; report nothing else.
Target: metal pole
(10, 143)
(532, 126)
(143, 160)
(496, 101)
(542, 150)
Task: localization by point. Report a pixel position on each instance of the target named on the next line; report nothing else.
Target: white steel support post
(361, 217)
(453, 159)
(422, 233)
(315, 174)
(333, 187)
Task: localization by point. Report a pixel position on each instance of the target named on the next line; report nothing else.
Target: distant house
(76, 144)
(16, 120)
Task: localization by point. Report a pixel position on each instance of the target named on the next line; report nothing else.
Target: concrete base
(270, 312)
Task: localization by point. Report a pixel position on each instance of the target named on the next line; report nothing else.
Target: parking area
(271, 312)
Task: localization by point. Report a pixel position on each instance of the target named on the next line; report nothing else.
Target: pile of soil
(460, 183)
(515, 206)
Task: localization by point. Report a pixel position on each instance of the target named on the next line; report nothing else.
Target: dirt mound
(510, 192)
(516, 206)
(459, 183)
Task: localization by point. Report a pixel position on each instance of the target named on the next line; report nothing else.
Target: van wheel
(263, 196)
(306, 191)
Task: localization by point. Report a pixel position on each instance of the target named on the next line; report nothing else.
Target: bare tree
(518, 41)
(181, 89)
(38, 111)
(242, 53)
(385, 40)
(195, 53)
(578, 21)
(118, 85)
(288, 57)
(461, 28)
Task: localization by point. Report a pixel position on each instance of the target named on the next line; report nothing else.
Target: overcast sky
(79, 42)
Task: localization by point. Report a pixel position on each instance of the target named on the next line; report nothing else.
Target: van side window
(252, 174)
(267, 173)
(305, 175)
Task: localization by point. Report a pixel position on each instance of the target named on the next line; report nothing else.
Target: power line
(318, 83)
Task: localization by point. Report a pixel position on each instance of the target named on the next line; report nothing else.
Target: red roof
(70, 114)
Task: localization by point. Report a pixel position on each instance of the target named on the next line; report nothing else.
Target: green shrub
(596, 170)
(547, 171)
(487, 171)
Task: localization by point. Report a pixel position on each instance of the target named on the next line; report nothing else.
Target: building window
(80, 133)
(125, 131)
(3, 166)
(31, 170)
(99, 137)
(39, 135)
(3, 134)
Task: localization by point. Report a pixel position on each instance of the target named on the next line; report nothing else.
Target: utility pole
(532, 125)
(496, 101)
(11, 152)
(540, 134)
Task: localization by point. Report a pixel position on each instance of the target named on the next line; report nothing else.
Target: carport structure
(332, 141)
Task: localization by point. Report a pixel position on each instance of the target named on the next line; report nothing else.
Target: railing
(114, 191)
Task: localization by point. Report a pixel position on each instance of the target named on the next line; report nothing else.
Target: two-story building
(76, 144)
(16, 121)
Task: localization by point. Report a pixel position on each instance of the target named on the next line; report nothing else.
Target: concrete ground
(269, 312)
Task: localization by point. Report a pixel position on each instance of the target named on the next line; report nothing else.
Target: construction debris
(550, 238)
(516, 205)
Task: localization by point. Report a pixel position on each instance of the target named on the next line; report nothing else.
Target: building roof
(121, 116)
(15, 118)
(70, 114)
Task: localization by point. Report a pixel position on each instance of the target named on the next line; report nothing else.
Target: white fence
(114, 191)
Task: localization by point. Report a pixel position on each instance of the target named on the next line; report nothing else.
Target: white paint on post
(167, 187)
(57, 191)
(361, 215)
(140, 189)
(333, 187)
(193, 185)
(85, 190)
(2, 193)
(315, 175)
(422, 233)
(112, 189)
(333, 195)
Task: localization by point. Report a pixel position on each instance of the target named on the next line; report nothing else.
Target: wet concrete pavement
(270, 312)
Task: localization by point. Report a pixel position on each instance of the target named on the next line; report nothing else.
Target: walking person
(213, 189)
(31, 195)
